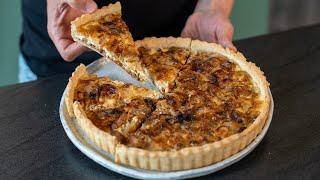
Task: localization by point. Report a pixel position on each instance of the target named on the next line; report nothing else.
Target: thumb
(86, 6)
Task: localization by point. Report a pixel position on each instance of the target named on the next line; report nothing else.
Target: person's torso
(144, 18)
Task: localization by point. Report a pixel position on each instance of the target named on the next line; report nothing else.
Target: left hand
(211, 27)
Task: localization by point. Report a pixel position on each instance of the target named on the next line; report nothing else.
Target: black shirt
(144, 18)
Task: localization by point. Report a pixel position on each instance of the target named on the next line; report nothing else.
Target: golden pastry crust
(99, 13)
(102, 139)
(164, 42)
(163, 74)
(106, 33)
(186, 157)
(72, 84)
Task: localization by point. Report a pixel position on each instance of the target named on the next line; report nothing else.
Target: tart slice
(164, 57)
(105, 32)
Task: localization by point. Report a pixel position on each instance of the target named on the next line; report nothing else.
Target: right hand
(211, 27)
(60, 13)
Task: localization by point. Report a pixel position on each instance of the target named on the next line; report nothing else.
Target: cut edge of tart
(164, 42)
(105, 140)
(204, 155)
(122, 50)
(187, 157)
(154, 44)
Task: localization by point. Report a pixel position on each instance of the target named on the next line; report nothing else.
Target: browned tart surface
(112, 34)
(212, 98)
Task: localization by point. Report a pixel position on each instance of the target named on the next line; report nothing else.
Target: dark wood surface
(33, 144)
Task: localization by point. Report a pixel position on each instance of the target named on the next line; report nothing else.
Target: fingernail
(90, 7)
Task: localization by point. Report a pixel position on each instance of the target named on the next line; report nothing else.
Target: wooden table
(33, 144)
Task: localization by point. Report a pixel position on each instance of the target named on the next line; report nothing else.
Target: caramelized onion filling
(212, 99)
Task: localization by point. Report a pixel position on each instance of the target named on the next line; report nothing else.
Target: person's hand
(210, 27)
(60, 14)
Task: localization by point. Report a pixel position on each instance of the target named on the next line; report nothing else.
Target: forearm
(223, 7)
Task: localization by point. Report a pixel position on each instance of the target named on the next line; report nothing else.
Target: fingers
(189, 30)
(69, 49)
(224, 36)
(86, 6)
(228, 44)
(63, 41)
(186, 33)
(211, 28)
(59, 17)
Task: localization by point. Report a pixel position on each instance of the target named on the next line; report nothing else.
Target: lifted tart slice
(105, 32)
(164, 57)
